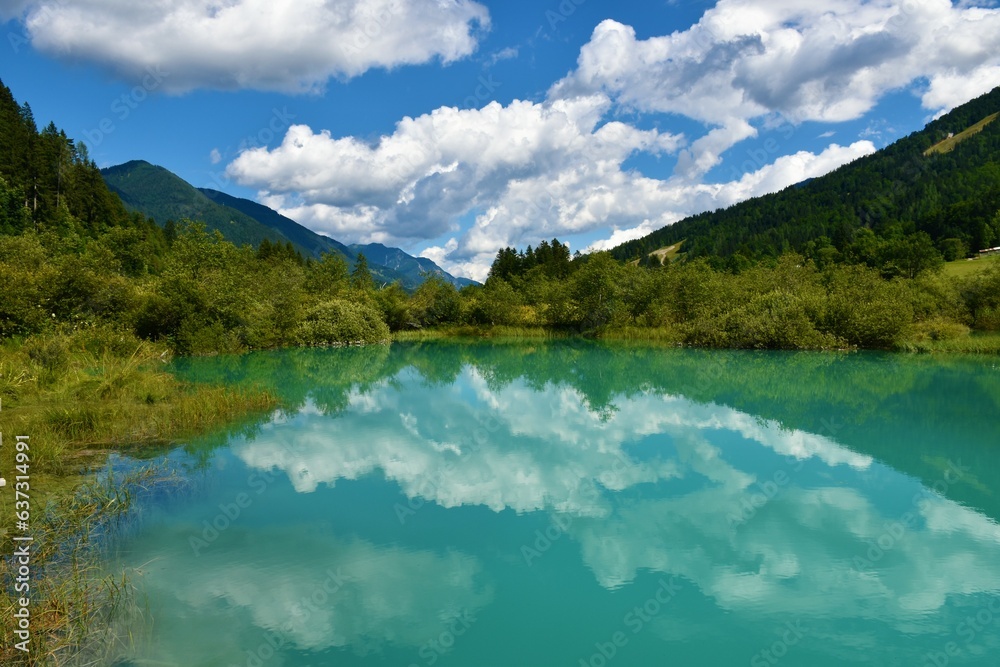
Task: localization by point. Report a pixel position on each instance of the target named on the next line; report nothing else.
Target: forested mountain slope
(953, 197)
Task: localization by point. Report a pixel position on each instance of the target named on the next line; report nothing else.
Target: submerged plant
(82, 613)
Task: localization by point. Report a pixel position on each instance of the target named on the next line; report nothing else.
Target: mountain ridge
(407, 264)
(158, 193)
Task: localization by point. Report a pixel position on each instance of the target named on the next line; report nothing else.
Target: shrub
(939, 328)
(344, 323)
(865, 310)
(774, 320)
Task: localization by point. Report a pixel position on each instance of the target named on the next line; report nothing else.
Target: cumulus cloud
(808, 61)
(526, 171)
(234, 44)
(547, 167)
(783, 172)
(476, 180)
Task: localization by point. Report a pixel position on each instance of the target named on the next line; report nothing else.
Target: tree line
(72, 256)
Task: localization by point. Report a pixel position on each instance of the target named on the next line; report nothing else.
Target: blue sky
(451, 128)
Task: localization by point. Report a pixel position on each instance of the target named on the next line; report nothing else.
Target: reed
(479, 331)
(635, 333)
(980, 343)
(82, 613)
(79, 395)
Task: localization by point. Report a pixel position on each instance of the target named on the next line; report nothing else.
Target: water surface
(584, 504)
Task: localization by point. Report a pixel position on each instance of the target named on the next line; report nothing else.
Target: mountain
(162, 195)
(159, 194)
(315, 244)
(413, 268)
(387, 263)
(942, 182)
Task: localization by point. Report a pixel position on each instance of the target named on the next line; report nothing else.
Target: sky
(452, 128)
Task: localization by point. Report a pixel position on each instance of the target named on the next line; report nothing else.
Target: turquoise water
(583, 504)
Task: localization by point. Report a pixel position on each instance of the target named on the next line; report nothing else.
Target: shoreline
(68, 465)
(74, 399)
(976, 343)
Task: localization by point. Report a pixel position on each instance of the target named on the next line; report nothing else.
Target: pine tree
(361, 276)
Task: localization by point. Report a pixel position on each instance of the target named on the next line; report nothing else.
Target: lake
(582, 504)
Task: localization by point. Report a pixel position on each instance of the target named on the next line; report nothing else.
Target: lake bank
(77, 397)
(960, 342)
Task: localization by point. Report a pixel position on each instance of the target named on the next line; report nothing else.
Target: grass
(471, 331)
(667, 254)
(962, 268)
(978, 343)
(80, 613)
(79, 395)
(633, 333)
(949, 144)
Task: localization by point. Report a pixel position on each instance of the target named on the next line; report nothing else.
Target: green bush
(981, 294)
(776, 320)
(394, 303)
(939, 328)
(340, 322)
(495, 304)
(26, 276)
(865, 310)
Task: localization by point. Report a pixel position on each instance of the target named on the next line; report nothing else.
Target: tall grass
(87, 392)
(478, 331)
(81, 614)
(983, 343)
(79, 395)
(634, 333)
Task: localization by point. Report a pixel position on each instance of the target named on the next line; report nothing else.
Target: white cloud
(783, 172)
(543, 168)
(809, 61)
(534, 170)
(215, 157)
(508, 53)
(948, 91)
(825, 62)
(291, 47)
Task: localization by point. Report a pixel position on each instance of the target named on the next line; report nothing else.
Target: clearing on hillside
(949, 144)
(665, 255)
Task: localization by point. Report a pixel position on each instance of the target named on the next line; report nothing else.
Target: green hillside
(161, 195)
(947, 199)
(948, 145)
(315, 244)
